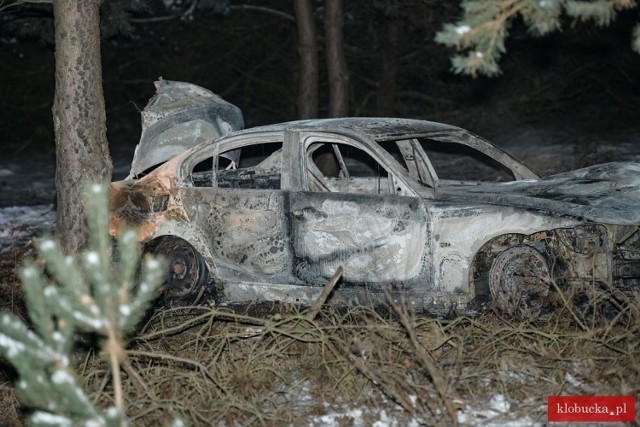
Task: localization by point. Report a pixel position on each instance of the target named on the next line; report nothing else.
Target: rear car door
(241, 210)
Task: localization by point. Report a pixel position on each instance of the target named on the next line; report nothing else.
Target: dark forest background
(585, 77)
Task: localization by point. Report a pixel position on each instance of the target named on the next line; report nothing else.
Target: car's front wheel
(520, 281)
(186, 273)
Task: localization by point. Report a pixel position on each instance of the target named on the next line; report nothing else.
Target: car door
(349, 213)
(241, 210)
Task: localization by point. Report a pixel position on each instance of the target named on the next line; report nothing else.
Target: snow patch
(573, 380)
(497, 414)
(499, 403)
(20, 224)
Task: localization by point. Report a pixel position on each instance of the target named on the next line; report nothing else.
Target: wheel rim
(520, 281)
(186, 272)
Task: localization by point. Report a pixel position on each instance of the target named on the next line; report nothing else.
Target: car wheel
(519, 281)
(187, 273)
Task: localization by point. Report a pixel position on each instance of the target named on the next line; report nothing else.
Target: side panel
(460, 231)
(377, 239)
(245, 230)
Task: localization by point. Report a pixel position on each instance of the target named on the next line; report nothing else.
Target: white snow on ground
(19, 225)
(496, 412)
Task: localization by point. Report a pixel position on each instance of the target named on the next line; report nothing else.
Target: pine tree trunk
(308, 60)
(388, 80)
(336, 63)
(82, 151)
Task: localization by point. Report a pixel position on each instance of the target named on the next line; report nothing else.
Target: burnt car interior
(342, 168)
(256, 166)
(336, 166)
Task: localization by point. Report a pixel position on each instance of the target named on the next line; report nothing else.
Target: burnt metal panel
(178, 117)
(377, 239)
(608, 193)
(246, 230)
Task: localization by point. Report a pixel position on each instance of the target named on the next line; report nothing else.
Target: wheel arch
(188, 234)
(483, 259)
(165, 245)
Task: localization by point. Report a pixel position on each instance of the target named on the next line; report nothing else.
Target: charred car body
(430, 212)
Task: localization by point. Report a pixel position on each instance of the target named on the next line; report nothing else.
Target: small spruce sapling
(89, 293)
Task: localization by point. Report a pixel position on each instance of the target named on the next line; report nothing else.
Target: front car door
(354, 211)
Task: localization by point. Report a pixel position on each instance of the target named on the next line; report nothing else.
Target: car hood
(180, 116)
(607, 193)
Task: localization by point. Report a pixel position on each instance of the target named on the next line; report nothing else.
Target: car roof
(376, 127)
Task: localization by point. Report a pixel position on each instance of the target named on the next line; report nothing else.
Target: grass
(277, 364)
(228, 366)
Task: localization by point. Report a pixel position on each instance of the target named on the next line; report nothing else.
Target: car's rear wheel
(520, 281)
(186, 274)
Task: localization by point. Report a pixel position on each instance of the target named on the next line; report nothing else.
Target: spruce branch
(483, 28)
(89, 293)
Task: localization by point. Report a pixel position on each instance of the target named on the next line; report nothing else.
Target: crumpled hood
(607, 193)
(178, 117)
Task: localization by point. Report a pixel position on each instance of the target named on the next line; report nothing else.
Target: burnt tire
(186, 274)
(520, 282)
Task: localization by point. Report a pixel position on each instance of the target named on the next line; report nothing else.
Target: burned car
(431, 213)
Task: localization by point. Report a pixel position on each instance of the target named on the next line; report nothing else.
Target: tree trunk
(336, 63)
(388, 80)
(79, 120)
(308, 60)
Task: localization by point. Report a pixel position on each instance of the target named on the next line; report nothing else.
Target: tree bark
(388, 80)
(336, 64)
(79, 119)
(308, 60)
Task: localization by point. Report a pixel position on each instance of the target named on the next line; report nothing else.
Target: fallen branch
(425, 358)
(322, 299)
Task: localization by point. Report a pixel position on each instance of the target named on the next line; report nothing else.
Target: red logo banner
(605, 409)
